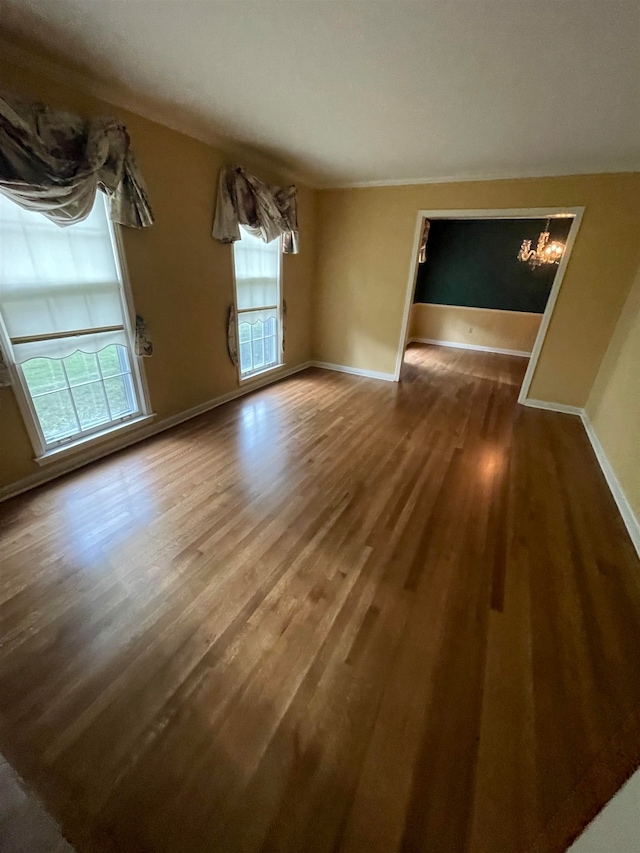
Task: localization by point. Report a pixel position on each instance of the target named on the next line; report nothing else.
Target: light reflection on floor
(105, 509)
(443, 364)
(262, 452)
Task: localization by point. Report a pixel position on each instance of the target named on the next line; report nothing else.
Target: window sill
(259, 373)
(87, 442)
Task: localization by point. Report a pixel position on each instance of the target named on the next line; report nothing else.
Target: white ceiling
(380, 90)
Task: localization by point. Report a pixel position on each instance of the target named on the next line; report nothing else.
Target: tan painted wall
(482, 327)
(614, 403)
(181, 278)
(365, 243)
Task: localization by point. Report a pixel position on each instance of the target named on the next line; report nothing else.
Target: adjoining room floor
(336, 615)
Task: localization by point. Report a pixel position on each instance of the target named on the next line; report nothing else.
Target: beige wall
(181, 278)
(614, 403)
(365, 243)
(481, 327)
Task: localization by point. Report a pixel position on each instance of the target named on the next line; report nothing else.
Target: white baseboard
(356, 371)
(80, 459)
(476, 347)
(553, 407)
(632, 523)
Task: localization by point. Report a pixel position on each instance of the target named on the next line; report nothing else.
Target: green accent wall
(473, 263)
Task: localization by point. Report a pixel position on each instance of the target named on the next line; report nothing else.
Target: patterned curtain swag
(53, 162)
(5, 376)
(266, 212)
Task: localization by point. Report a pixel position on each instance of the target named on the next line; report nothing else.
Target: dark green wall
(473, 262)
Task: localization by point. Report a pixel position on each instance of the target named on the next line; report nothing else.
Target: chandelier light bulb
(544, 253)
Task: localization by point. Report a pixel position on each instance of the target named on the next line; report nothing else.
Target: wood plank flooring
(25, 827)
(336, 615)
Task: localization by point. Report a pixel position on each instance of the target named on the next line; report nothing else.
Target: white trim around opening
(575, 213)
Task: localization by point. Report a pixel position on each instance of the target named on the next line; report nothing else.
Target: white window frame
(45, 450)
(247, 377)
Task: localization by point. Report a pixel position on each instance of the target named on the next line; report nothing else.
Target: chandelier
(544, 253)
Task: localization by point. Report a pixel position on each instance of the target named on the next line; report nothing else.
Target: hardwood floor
(25, 827)
(336, 615)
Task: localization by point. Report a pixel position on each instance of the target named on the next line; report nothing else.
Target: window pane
(56, 279)
(113, 359)
(82, 367)
(44, 374)
(246, 364)
(258, 354)
(56, 415)
(91, 405)
(54, 283)
(259, 340)
(257, 276)
(257, 269)
(257, 330)
(270, 350)
(55, 410)
(120, 395)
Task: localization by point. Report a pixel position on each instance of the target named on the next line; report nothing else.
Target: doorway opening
(476, 284)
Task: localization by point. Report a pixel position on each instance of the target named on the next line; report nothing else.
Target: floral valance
(266, 212)
(53, 162)
(5, 376)
(424, 237)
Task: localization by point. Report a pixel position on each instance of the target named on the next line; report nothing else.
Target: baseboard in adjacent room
(475, 347)
(116, 443)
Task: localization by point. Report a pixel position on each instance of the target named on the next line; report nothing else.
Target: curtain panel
(424, 238)
(143, 340)
(232, 335)
(53, 162)
(266, 212)
(5, 376)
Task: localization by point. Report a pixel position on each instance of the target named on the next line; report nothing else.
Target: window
(258, 303)
(65, 325)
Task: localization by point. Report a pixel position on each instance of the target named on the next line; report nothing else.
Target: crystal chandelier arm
(525, 251)
(543, 239)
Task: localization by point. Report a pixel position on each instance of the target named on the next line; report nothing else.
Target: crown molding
(116, 95)
(532, 174)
